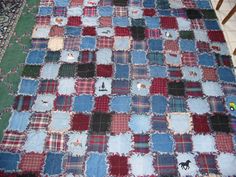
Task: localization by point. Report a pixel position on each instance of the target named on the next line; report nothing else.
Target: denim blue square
(155, 44)
(28, 87)
(138, 22)
(158, 71)
(9, 161)
(162, 143)
(206, 59)
(44, 11)
(212, 25)
(122, 71)
(187, 45)
(159, 104)
(203, 5)
(121, 104)
(53, 164)
(88, 43)
(72, 31)
(152, 22)
(226, 74)
(19, 121)
(35, 57)
(164, 12)
(148, 3)
(120, 21)
(96, 165)
(105, 11)
(62, 3)
(138, 57)
(83, 103)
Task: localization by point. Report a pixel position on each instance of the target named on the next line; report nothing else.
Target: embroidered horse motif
(185, 165)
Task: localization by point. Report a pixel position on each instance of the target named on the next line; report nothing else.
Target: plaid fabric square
(56, 31)
(71, 43)
(140, 104)
(177, 104)
(139, 45)
(55, 142)
(122, 31)
(209, 74)
(159, 86)
(141, 143)
(179, 13)
(197, 24)
(120, 87)
(152, 33)
(39, 121)
(75, 3)
(203, 46)
(216, 36)
(105, 42)
(175, 73)
(118, 165)
(166, 165)
(229, 89)
(90, 11)
(149, 12)
(32, 162)
(189, 4)
(139, 72)
(224, 60)
(171, 45)
(87, 56)
(216, 104)
(206, 163)
(100, 122)
(59, 11)
(104, 70)
(80, 122)
(183, 143)
(200, 124)
(74, 21)
(121, 57)
(46, 3)
(43, 20)
(85, 86)
(169, 23)
(102, 104)
(119, 123)
(63, 103)
(220, 123)
(97, 143)
(105, 21)
(224, 142)
(159, 123)
(23, 103)
(90, 31)
(120, 11)
(67, 70)
(39, 43)
(193, 89)
(52, 56)
(48, 87)
(12, 141)
(176, 88)
(74, 165)
(189, 59)
(156, 58)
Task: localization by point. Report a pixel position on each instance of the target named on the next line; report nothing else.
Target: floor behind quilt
(124, 88)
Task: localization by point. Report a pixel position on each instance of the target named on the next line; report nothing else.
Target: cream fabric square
(56, 43)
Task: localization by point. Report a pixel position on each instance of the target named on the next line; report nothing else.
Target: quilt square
(52, 56)
(187, 45)
(56, 43)
(83, 103)
(171, 46)
(209, 74)
(56, 31)
(122, 57)
(139, 72)
(119, 123)
(193, 89)
(23, 103)
(50, 169)
(105, 42)
(122, 71)
(43, 103)
(43, 20)
(84, 86)
(223, 60)
(207, 163)
(104, 56)
(138, 57)
(39, 43)
(86, 70)
(216, 104)
(63, 103)
(216, 36)
(9, 161)
(59, 11)
(102, 104)
(140, 104)
(159, 104)
(28, 87)
(200, 124)
(88, 43)
(177, 104)
(175, 119)
(166, 165)
(193, 14)
(60, 122)
(87, 56)
(29, 165)
(73, 164)
(155, 44)
(120, 144)
(186, 35)
(174, 73)
(90, 31)
(228, 89)
(55, 142)
(118, 165)
(203, 46)
(140, 124)
(139, 45)
(138, 33)
(198, 105)
(47, 87)
(159, 123)
(189, 59)
(122, 31)
(120, 11)
(183, 143)
(19, 121)
(67, 70)
(104, 70)
(35, 57)
(176, 88)
(76, 143)
(220, 123)
(120, 2)
(162, 143)
(97, 143)
(152, 33)
(50, 71)
(80, 122)
(103, 86)
(74, 21)
(90, 11)
(120, 87)
(226, 74)
(141, 143)
(66, 86)
(31, 71)
(140, 87)
(39, 121)
(105, 11)
(169, 23)
(72, 43)
(224, 142)
(105, 21)
(159, 86)
(121, 104)
(100, 122)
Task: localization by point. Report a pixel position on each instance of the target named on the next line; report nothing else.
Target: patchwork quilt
(124, 88)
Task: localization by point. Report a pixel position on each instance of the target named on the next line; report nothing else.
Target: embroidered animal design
(185, 165)
(106, 32)
(70, 56)
(141, 86)
(44, 102)
(192, 73)
(58, 20)
(77, 143)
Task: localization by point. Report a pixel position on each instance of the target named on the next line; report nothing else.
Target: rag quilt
(124, 88)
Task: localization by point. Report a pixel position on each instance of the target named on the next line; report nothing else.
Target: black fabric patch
(220, 123)
(138, 33)
(186, 35)
(100, 123)
(86, 70)
(67, 70)
(209, 14)
(31, 71)
(193, 14)
(120, 2)
(176, 88)
(138, 22)
(52, 56)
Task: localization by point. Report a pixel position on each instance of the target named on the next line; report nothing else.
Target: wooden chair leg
(229, 15)
(219, 4)
(234, 53)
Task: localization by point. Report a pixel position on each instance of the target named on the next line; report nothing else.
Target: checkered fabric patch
(140, 104)
(189, 59)
(177, 104)
(63, 103)
(80, 122)
(193, 89)
(59, 11)
(224, 142)
(119, 123)
(85, 86)
(87, 56)
(141, 143)
(122, 31)
(216, 104)
(43, 20)
(224, 60)
(169, 23)
(90, 11)
(31, 162)
(120, 11)
(74, 165)
(209, 74)
(200, 124)
(175, 73)
(139, 72)
(104, 70)
(197, 24)
(39, 43)
(159, 123)
(203, 46)
(74, 21)
(220, 123)
(23, 103)
(105, 21)
(139, 45)
(183, 143)
(72, 43)
(120, 87)
(121, 57)
(152, 33)
(39, 121)
(229, 89)
(55, 142)
(52, 56)
(159, 86)
(171, 46)
(102, 104)
(118, 165)
(48, 87)
(206, 163)
(90, 31)
(97, 143)
(105, 42)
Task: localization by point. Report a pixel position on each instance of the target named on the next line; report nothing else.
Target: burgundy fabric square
(119, 123)
(90, 31)
(159, 86)
(216, 36)
(56, 31)
(102, 104)
(209, 74)
(80, 122)
(104, 70)
(105, 42)
(74, 21)
(224, 142)
(118, 165)
(122, 31)
(200, 124)
(32, 162)
(169, 23)
(43, 20)
(149, 12)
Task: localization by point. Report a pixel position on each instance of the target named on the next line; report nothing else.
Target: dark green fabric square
(186, 35)
(52, 56)
(209, 14)
(31, 71)
(100, 123)
(156, 58)
(67, 70)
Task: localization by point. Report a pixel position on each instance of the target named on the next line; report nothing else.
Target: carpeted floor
(123, 88)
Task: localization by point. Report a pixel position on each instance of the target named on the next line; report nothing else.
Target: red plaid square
(105, 21)
(189, 3)
(175, 73)
(74, 21)
(141, 143)
(90, 31)
(200, 124)
(56, 31)
(152, 33)
(183, 143)
(75, 3)
(97, 143)
(118, 165)
(149, 12)
(169, 23)
(12, 141)
(197, 24)
(189, 59)
(85, 86)
(23, 103)
(48, 87)
(55, 142)
(122, 31)
(224, 142)
(104, 70)
(209, 74)
(39, 121)
(159, 86)
(87, 56)
(72, 43)
(46, 2)
(216, 36)
(32, 162)
(80, 122)
(207, 163)
(193, 89)
(203, 46)
(120, 11)
(119, 123)
(90, 11)
(105, 42)
(171, 45)
(102, 104)
(43, 20)
(62, 103)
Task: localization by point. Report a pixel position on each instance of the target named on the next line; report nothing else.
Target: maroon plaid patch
(122, 31)
(80, 122)
(97, 143)
(43, 20)
(197, 24)
(203, 46)
(216, 36)
(32, 162)
(23, 103)
(102, 104)
(74, 21)
(159, 86)
(149, 12)
(118, 165)
(56, 31)
(152, 33)
(72, 43)
(90, 31)
(63, 103)
(87, 56)
(206, 163)
(90, 11)
(200, 124)
(104, 70)
(183, 143)
(193, 89)
(48, 87)
(105, 42)
(209, 74)
(189, 59)
(141, 143)
(169, 23)
(55, 142)
(105, 21)
(85, 86)
(119, 123)
(120, 11)
(224, 142)
(171, 45)
(39, 121)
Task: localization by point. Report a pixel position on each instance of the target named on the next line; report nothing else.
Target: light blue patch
(162, 143)
(53, 164)
(170, 34)
(28, 87)
(96, 165)
(206, 59)
(19, 121)
(140, 123)
(230, 102)
(152, 22)
(212, 25)
(121, 21)
(159, 104)
(226, 74)
(173, 59)
(62, 3)
(121, 104)
(105, 11)
(122, 71)
(83, 103)
(88, 43)
(138, 57)
(192, 73)
(72, 31)
(9, 161)
(35, 57)
(143, 91)
(44, 11)
(155, 44)
(158, 71)
(187, 45)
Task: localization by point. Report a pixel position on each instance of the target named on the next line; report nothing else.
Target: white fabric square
(201, 35)
(60, 121)
(120, 144)
(43, 103)
(122, 43)
(104, 56)
(50, 71)
(41, 32)
(227, 164)
(180, 122)
(90, 21)
(56, 43)
(103, 86)
(198, 105)
(106, 31)
(74, 11)
(135, 12)
(212, 89)
(187, 170)
(69, 56)
(66, 86)
(183, 23)
(203, 143)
